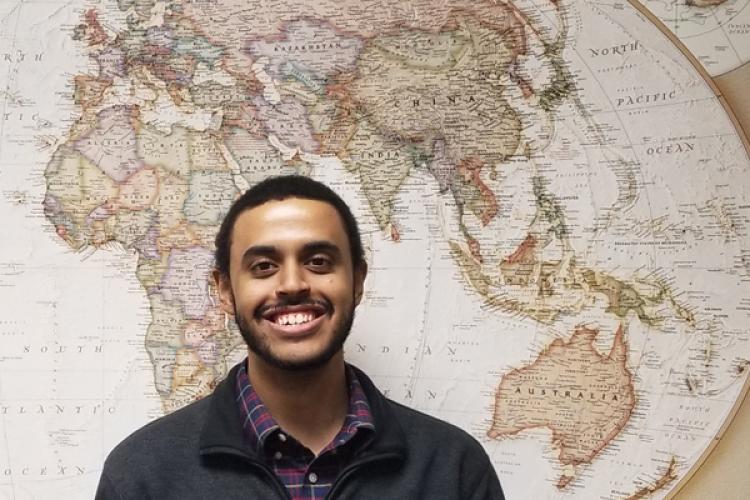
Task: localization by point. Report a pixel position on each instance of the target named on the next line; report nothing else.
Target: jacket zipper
(280, 488)
(352, 468)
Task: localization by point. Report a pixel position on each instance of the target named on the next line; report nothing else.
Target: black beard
(262, 350)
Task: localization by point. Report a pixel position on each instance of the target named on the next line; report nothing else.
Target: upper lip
(271, 312)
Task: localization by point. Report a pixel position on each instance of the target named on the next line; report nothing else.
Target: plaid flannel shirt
(305, 476)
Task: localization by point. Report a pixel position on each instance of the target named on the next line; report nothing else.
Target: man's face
(292, 286)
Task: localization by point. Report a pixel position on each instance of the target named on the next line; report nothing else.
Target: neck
(310, 405)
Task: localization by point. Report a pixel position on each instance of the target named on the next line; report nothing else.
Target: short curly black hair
(280, 188)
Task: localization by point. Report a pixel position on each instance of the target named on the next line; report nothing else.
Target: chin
(296, 363)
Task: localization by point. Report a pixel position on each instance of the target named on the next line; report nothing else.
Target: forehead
(288, 222)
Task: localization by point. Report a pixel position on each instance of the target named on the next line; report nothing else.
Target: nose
(292, 281)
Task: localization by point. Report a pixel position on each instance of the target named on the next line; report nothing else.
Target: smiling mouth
(294, 318)
(294, 315)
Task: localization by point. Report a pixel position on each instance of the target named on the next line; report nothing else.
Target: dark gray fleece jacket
(199, 452)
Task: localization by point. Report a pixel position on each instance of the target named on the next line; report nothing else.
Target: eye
(262, 267)
(320, 263)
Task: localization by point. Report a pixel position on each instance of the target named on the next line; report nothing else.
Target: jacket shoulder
(166, 438)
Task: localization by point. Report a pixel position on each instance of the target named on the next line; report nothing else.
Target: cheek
(247, 296)
(345, 293)
(335, 289)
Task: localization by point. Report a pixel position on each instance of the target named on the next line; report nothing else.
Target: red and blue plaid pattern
(305, 476)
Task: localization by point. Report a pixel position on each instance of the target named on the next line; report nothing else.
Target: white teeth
(294, 319)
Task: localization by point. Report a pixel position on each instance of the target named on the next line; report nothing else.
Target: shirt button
(282, 437)
(313, 477)
(277, 455)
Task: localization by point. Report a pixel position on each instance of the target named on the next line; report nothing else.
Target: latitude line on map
(687, 101)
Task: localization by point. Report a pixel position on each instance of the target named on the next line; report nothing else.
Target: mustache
(265, 309)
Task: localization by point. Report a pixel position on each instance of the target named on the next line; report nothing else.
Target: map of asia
(554, 198)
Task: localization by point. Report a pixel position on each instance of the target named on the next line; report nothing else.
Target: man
(294, 420)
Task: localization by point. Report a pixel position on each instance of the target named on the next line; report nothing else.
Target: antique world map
(553, 196)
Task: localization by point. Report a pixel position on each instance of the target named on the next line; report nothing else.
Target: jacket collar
(222, 429)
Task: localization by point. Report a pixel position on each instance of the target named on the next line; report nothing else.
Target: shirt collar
(258, 423)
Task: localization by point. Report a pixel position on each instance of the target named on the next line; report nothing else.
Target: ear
(224, 289)
(360, 273)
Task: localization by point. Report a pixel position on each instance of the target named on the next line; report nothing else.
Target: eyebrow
(308, 248)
